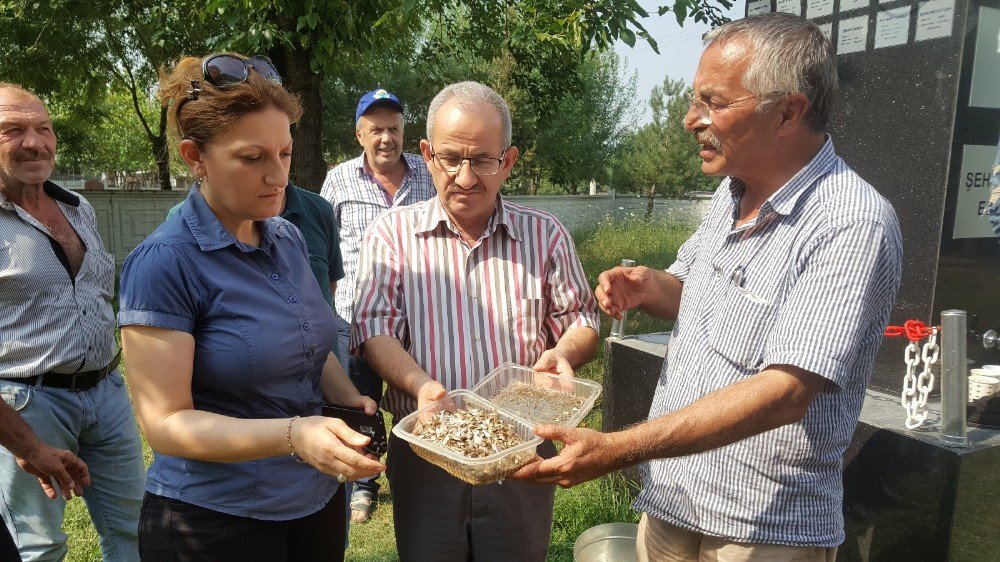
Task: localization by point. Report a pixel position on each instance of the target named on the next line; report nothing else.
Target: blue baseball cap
(377, 98)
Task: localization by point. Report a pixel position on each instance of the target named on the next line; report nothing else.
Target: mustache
(22, 155)
(706, 137)
(455, 188)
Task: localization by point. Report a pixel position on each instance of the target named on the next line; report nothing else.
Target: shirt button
(306, 326)
(309, 355)
(293, 298)
(275, 276)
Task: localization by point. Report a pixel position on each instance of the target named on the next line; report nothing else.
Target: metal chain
(929, 354)
(916, 389)
(909, 398)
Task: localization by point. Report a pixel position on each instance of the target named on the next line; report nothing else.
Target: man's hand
(429, 392)
(587, 455)
(51, 465)
(554, 361)
(621, 289)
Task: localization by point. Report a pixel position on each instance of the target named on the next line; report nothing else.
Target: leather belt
(70, 381)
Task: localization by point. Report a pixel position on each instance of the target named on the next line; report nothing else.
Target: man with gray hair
(58, 363)
(447, 291)
(780, 300)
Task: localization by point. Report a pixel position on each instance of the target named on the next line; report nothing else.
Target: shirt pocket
(526, 318)
(739, 331)
(526, 312)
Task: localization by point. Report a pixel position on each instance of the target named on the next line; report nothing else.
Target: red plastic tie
(914, 330)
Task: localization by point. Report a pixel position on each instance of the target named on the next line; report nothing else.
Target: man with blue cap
(383, 176)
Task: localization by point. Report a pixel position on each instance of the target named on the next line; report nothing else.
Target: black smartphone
(356, 418)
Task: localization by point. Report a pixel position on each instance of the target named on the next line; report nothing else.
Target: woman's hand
(332, 447)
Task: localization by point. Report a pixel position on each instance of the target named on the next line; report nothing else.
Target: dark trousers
(439, 518)
(368, 384)
(173, 530)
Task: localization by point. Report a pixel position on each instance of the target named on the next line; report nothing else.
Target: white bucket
(610, 542)
(982, 383)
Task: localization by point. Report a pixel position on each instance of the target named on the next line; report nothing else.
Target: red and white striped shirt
(461, 311)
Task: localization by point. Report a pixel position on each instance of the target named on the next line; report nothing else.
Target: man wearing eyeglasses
(447, 291)
(780, 300)
(382, 177)
(58, 364)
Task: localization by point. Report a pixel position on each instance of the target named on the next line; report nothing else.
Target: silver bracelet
(288, 436)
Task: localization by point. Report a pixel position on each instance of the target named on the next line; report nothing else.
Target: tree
(556, 144)
(662, 157)
(305, 36)
(78, 53)
(529, 50)
(576, 142)
(122, 150)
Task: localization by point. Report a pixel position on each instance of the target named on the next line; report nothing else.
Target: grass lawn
(577, 509)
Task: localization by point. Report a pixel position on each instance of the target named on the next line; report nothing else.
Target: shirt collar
(54, 191)
(293, 203)
(211, 235)
(435, 215)
(364, 171)
(784, 199)
(60, 194)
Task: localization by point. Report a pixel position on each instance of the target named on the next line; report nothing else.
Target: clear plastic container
(485, 470)
(508, 374)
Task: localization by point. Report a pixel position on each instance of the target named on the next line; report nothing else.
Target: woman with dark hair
(228, 339)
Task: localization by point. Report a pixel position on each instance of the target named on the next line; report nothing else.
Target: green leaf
(680, 11)
(628, 37)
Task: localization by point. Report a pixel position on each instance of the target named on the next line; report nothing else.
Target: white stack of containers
(498, 466)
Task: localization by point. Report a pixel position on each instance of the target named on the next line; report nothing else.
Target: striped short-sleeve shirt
(811, 283)
(462, 311)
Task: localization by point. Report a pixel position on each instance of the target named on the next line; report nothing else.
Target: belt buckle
(72, 382)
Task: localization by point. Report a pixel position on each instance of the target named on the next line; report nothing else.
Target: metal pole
(618, 326)
(954, 378)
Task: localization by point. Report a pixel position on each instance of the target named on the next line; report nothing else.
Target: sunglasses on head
(223, 71)
(227, 70)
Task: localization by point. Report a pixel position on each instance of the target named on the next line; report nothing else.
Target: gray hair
(790, 55)
(21, 90)
(470, 96)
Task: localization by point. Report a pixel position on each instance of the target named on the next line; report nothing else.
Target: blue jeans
(99, 426)
(369, 384)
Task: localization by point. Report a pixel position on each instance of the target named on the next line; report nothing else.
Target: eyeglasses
(705, 108)
(481, 165)
(228, 70)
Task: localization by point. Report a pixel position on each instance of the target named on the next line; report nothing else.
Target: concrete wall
(125, 218)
